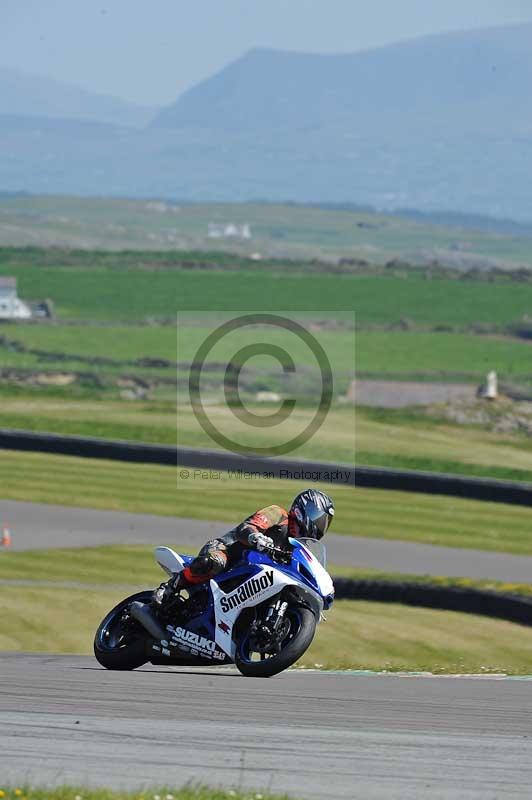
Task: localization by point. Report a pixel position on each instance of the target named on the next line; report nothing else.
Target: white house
(219, 230)
(10, 305)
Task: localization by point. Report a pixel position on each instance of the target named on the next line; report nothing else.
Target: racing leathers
(267, 527)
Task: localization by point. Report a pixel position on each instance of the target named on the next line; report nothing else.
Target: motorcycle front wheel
(298, 634)
(120, 641)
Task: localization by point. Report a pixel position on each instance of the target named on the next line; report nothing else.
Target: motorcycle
(260, 615)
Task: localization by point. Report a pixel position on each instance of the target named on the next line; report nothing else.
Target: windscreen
(317, 548)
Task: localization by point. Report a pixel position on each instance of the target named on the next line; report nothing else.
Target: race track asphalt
(36, 526)
(63, 719)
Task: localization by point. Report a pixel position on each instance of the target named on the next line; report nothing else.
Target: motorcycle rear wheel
(121, 644)
(296, 642)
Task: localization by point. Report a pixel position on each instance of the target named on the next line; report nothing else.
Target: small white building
(11, 307)
(217, 230)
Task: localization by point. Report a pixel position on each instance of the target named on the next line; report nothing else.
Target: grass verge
(447, 521)
(133, 566)
(357, 634)
(405, 439)
(113, 565)
(482, 584)
(38, 620)
(158, 793)
(388, 636)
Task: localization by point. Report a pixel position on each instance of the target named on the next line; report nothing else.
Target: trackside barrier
(512, 608)
(496, 491)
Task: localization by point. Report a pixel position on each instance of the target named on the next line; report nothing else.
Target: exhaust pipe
(144, 615)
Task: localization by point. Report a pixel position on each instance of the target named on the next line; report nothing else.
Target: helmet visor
(318, 521)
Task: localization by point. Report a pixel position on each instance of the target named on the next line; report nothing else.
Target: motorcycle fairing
(319, 577)
(263, 583)
(201, 625)
(252, 581)
(204, 624)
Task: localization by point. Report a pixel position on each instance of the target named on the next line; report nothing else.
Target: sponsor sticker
(251, 588)
(192, 642)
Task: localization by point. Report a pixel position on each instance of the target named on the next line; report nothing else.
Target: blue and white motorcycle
(260, 615)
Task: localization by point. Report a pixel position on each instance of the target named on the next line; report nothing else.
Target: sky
(150, 52)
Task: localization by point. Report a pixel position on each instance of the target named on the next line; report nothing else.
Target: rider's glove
(260, 542)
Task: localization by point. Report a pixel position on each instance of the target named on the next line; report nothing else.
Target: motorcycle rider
(309, 516)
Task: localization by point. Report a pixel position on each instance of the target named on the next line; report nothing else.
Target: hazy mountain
(460, 78)
(441, 122)
(22, 94)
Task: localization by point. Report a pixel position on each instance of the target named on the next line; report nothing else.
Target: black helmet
(313, 512)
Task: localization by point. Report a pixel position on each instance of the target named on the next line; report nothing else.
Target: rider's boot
(168, 589)
(179, 580)
(182, 580)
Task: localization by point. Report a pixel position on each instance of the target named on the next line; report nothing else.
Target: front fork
(269, 632)
(275, 615)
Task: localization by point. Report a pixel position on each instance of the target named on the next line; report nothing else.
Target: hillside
(279, 231)
(23, 94)
(458, 79)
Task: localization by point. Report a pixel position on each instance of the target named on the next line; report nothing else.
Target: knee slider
(201, 565)
(211, 563)
(218, 561)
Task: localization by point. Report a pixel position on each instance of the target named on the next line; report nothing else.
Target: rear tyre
(120, 641)
(299, 634)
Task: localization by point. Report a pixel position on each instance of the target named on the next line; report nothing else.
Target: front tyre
(120, 641)
(253, 659)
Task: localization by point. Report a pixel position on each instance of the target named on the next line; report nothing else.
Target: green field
(288, 231)
(117, 299)
(447, 521)
(394, 354)
(134, 295)
(92, 404)
(132, 292)
(98, 347)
